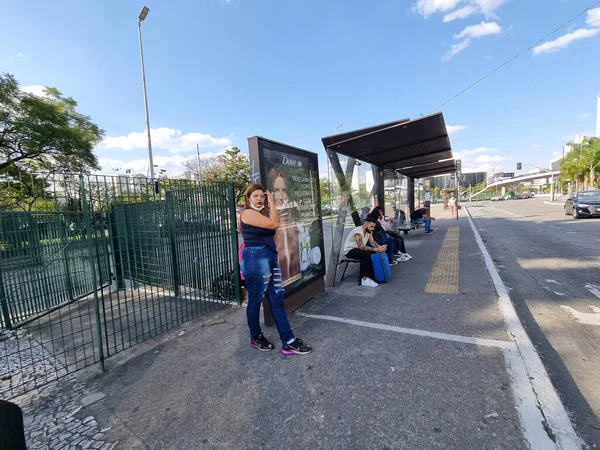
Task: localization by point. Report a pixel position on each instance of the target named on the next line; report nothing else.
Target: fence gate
(118, 260)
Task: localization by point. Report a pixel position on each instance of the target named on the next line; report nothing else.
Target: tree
(44, 133)
(233, 167)
(325, 191)
(201, 166)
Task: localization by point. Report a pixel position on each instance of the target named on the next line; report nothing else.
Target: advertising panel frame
(297, 293)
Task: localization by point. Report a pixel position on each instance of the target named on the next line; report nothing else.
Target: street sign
(458, 167)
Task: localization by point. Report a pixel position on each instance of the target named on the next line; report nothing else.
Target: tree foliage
(582, 164)
(233, 167)
(44, 133)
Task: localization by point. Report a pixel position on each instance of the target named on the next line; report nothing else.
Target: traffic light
(519, 166)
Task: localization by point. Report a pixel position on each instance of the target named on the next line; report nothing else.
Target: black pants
(399, 243)
(366, 267)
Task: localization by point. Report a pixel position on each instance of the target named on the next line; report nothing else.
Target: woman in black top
(259, 220)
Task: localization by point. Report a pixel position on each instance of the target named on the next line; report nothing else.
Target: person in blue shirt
(259, 221)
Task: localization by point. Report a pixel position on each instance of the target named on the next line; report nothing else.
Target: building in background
(446, 181)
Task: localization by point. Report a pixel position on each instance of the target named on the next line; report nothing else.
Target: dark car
(584, 204)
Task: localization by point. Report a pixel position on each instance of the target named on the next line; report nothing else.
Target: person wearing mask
(361, 245)
(259, 265)
(422, 216)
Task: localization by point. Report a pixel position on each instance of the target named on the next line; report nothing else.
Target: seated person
(360, 245)
(421, 216)
(387, 226)
(382, 238)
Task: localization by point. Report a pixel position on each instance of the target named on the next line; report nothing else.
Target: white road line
(532, 388)
(554, 203)
(505, 212)
(594, 289)
(430, 334)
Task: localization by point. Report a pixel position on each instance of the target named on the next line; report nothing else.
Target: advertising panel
(292, 176)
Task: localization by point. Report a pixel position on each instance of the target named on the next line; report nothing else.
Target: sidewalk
(422, 362)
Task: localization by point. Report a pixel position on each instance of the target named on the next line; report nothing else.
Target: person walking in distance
(259, 221)
(452, 203)
(360, 245)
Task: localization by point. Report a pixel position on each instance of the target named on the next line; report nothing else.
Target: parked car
(584, 204)
(497, 198)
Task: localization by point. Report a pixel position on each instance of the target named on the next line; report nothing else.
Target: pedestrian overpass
(520, 179)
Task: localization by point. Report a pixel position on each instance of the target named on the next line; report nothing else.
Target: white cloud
(582, 116)
(489, 7)
(455, 49)
(22, 55)
(480, 30)
(458, 9)
(565, 40)
(167, 138)
(455, 128)
(429, 7)
(481, 159)
(593, 17)
(461, 13)
(35, 90)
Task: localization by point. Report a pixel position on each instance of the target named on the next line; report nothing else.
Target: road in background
(551, 264)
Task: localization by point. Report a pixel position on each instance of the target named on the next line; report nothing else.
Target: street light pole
(142, 17)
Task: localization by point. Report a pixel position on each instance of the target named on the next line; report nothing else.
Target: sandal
(261, 343)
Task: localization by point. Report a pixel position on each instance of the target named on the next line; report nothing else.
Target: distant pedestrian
(259, 221)
(452, 203)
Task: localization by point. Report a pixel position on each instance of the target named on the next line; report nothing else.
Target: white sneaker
(369, 283)
(403, 259)
(393, 263)
(406, 255)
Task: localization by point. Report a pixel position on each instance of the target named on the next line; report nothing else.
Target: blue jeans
(260, 268)
(427, 223)
(392, 248)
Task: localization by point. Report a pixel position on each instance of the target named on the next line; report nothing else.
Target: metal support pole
(150, 159)
(172, 241)
(235, 244)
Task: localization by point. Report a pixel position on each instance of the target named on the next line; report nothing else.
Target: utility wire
(514, 57)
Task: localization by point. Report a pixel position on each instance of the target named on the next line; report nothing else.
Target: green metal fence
(116, 261)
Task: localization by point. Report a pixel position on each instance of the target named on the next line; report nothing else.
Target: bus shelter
(414, 149)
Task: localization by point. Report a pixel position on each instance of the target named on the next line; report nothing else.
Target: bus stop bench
(407, 226)
(345, 261)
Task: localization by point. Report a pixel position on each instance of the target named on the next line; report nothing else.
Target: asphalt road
(550, 262)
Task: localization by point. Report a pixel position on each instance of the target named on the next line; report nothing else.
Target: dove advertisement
(292, 176)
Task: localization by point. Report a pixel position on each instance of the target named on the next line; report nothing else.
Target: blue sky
(221, 71)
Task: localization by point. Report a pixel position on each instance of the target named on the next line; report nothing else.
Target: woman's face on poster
(280, 192)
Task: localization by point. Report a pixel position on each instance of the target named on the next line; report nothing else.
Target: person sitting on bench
(382, 238)
(422, 216)
(360, 245)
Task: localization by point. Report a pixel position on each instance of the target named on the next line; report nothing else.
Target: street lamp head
(143, 13)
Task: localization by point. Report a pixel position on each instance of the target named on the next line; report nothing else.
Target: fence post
(171, 225)
(234, 242)
(4, 304)
(115, 247)
(65, 242)
(88, 233)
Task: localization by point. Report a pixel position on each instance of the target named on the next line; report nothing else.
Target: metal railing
(109, 262)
